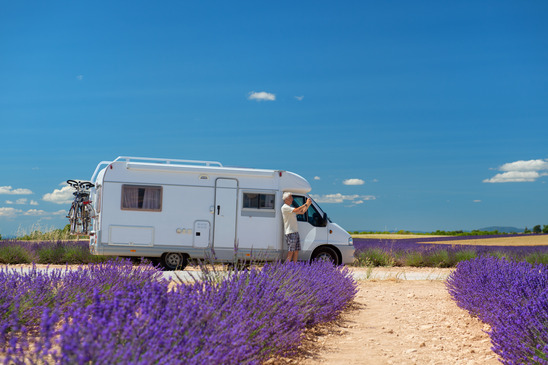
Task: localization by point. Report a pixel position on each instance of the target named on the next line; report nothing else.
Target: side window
(311, 216)
(135, 197)
(297, 202)
(258, 201)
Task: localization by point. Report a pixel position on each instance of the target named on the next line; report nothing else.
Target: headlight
(350, 241)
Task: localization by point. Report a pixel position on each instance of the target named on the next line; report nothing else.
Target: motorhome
(178, 210)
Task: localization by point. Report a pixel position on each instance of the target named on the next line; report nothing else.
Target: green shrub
(537, 258)
(414, 259)
(75, 255)
(464, 255)
(14, 254)
(438, 258)
(375, 257)
(499, 255)
(51, 255)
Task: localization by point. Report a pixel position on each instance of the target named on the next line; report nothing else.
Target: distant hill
(502, 229)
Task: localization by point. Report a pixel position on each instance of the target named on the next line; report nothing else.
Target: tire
(72, 219)
(174, 261)
(86, 219)
(326, 254)
(80, 220)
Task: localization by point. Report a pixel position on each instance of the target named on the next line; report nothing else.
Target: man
(291, 228)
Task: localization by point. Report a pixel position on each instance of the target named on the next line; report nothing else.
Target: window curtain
(130, 198)
(152, 199)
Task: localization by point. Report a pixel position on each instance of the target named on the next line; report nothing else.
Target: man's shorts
(293, 241)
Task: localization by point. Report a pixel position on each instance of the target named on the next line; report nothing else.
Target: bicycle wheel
(85, 220)
(90, 214)
(72, 219)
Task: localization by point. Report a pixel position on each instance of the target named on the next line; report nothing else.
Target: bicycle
(81, 211)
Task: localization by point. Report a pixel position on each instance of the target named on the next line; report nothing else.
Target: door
(226, 201)
(311, 230)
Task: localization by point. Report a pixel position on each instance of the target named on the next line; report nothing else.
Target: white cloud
(515, 176)
(340, 198)
(299, 98)
(35, 212)
(520, 171)
(80, 77)
(530, 165)
(33, 202)
(261, 96)
(353, 182)
(11, 191)
(477, 201)
(13, 213)
(317, 178)
(9, 212)
(60, 196)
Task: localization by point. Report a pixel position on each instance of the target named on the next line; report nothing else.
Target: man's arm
(303, 208)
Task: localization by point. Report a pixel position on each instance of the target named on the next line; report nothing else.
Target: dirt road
(399, 322)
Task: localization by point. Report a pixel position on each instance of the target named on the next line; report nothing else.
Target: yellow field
(499, 241)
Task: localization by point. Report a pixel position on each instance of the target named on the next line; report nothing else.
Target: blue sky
(416, 115)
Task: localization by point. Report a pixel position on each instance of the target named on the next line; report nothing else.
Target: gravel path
(398, 321)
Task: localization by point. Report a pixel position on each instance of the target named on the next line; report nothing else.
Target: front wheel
(326, 254)
(174, 261)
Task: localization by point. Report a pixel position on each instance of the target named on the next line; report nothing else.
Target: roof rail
(168, 161)
(97, 169)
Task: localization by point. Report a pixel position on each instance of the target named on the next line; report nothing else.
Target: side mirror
(324, 223)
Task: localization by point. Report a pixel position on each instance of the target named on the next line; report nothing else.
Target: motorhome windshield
(321, 211)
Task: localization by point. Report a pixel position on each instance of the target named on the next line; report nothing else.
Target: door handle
(218, 209)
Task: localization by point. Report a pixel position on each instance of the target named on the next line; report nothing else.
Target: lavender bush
(512, 297)
(118, 313)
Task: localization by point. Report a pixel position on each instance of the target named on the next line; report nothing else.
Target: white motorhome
(176, 210)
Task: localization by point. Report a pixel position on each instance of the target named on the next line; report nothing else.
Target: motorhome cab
(176, 210)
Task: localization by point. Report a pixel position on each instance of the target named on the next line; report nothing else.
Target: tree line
(537, 229)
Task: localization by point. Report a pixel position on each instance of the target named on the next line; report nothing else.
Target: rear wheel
(174, 261)
(326, 254)
(87, 214)
(72, 219)
(85, 221)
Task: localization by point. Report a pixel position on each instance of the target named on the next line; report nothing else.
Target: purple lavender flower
(117, 313)
(512, 297)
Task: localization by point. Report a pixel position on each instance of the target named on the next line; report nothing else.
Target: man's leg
(295, 255)
(289, 256)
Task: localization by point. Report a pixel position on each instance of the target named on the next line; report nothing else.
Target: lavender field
(423, 252)
(512, 297)
(116, 312)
